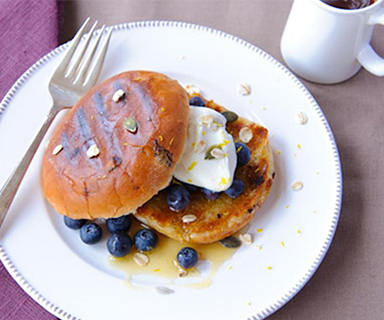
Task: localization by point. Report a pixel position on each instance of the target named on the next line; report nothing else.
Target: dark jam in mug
(349, 4)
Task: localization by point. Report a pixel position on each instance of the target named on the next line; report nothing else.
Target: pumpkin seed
(130, 124)
(57, 149)
(208, 154)
(182, 273)
(230, 242)
(245, 238)
(93, 151)
(218, 153)
(245, 134)
(243, 89)
(206, 120)
(141, 259)
(118, 95)
(298, 185)
(302, 117)
(200, 147)
(191, 89)
(230, 116)
(188, 218)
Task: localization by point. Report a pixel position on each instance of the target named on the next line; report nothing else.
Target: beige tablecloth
(350, 282)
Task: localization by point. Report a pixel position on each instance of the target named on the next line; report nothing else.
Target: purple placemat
(28, 30)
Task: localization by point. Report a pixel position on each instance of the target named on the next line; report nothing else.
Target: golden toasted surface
(104, 170)
(219, 218)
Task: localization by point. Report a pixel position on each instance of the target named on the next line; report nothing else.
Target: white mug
(325, 44)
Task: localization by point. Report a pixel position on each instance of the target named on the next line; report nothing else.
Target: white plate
(72, 280)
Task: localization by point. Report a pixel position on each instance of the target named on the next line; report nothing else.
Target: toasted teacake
(217, 219)
(117, 147)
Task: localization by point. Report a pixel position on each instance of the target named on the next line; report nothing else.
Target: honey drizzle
(162, 261)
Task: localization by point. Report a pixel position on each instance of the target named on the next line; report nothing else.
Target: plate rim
(280, 302)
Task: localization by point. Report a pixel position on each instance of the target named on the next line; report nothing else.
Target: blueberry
(90, 233)
(119, 244)
(145, 240)
(196, 101)
(210, 195)
(187, 257)
(243, 154)
(73, 223)
(121, 224)
(236, 189)
(178, 197)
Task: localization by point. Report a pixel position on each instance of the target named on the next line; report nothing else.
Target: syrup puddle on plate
(162, 268)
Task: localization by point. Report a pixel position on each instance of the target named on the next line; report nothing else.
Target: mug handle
(367, 57)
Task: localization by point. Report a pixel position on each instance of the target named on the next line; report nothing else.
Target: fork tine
(93, 74)
(84, 67)
(75, 65)
(72, 48)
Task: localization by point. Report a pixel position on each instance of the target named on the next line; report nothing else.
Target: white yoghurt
(206, 129)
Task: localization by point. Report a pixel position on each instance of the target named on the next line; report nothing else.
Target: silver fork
(76, 74)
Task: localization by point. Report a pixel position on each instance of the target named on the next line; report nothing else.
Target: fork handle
(10, 188)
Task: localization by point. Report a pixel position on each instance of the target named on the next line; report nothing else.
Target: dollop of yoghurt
(209, 159)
